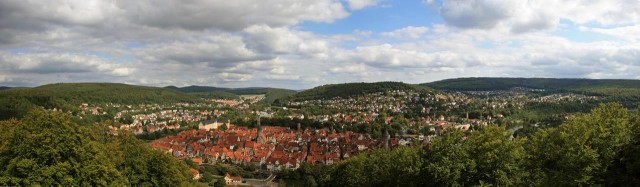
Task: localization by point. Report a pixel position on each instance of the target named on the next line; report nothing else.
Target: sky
(300, 44)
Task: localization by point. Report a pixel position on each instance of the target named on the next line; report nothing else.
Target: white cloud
(525, 16)
(215, 50)
(282, 40)
(409, 32)
(283, 77)
(476, 13)
(248, 43)
(54, 63)
(630, 33)
(360, 4)
(351, 68)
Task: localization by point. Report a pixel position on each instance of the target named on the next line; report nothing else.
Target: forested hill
(485, 84)
(15, 103)
(271, 94)
(350, 89)
(4, 88)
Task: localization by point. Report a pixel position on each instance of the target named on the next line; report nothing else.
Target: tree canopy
(48, 149)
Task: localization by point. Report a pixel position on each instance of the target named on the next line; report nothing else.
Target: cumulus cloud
(360, 4)
(52, 63)
(215, 50)
(248, 43)
(409, 32)
(630, 33)
(230, 15)
(476, 13)
(138, 19)
(525, 16)
(197, 14)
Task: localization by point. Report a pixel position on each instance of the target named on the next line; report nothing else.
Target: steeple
(259, 135)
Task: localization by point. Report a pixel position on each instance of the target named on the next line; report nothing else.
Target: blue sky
(388, 16)
(300, 44)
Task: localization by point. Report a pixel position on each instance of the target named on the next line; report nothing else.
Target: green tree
(47, 149)
(579, 152)
(143, 166)
(223, 127)
(498, 159)
(220, 183)
(397, 167)
(447, 161)
(310, 181)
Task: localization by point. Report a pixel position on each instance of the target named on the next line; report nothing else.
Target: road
(262, 182)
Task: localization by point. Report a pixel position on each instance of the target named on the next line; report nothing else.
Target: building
(211, 124)
(196, 174)
(232, 179)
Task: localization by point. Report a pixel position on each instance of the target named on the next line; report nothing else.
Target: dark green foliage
(485, 84)
(143, 166)
(397, 167)
(220, 183)
(350, 89)
(68, 96)
(48, 149)
(580, 151)
(488, 156)
(4, 88)
(274, 94)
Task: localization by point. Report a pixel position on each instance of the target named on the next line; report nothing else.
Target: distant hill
(271, 94)
(620, 90)
(350, 89)
(484, 84)
(15, 102)
(4, 88)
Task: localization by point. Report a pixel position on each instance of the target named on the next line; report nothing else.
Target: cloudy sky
(305, 43)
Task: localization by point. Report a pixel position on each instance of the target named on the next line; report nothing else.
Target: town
(325, 131)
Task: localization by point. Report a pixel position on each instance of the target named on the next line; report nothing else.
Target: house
(197, 161)
(196, 174)
(232, 179)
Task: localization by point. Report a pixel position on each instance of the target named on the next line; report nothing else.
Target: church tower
(259, 135)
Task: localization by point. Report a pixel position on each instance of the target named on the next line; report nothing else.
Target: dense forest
(68, 96)
(598, 148)
(349, 89)
(484, 84)
(48, 149)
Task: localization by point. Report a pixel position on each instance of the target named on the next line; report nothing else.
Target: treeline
(601, 148)
(487, 84)
(48, 149)
(347, 90)
(68, 96)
